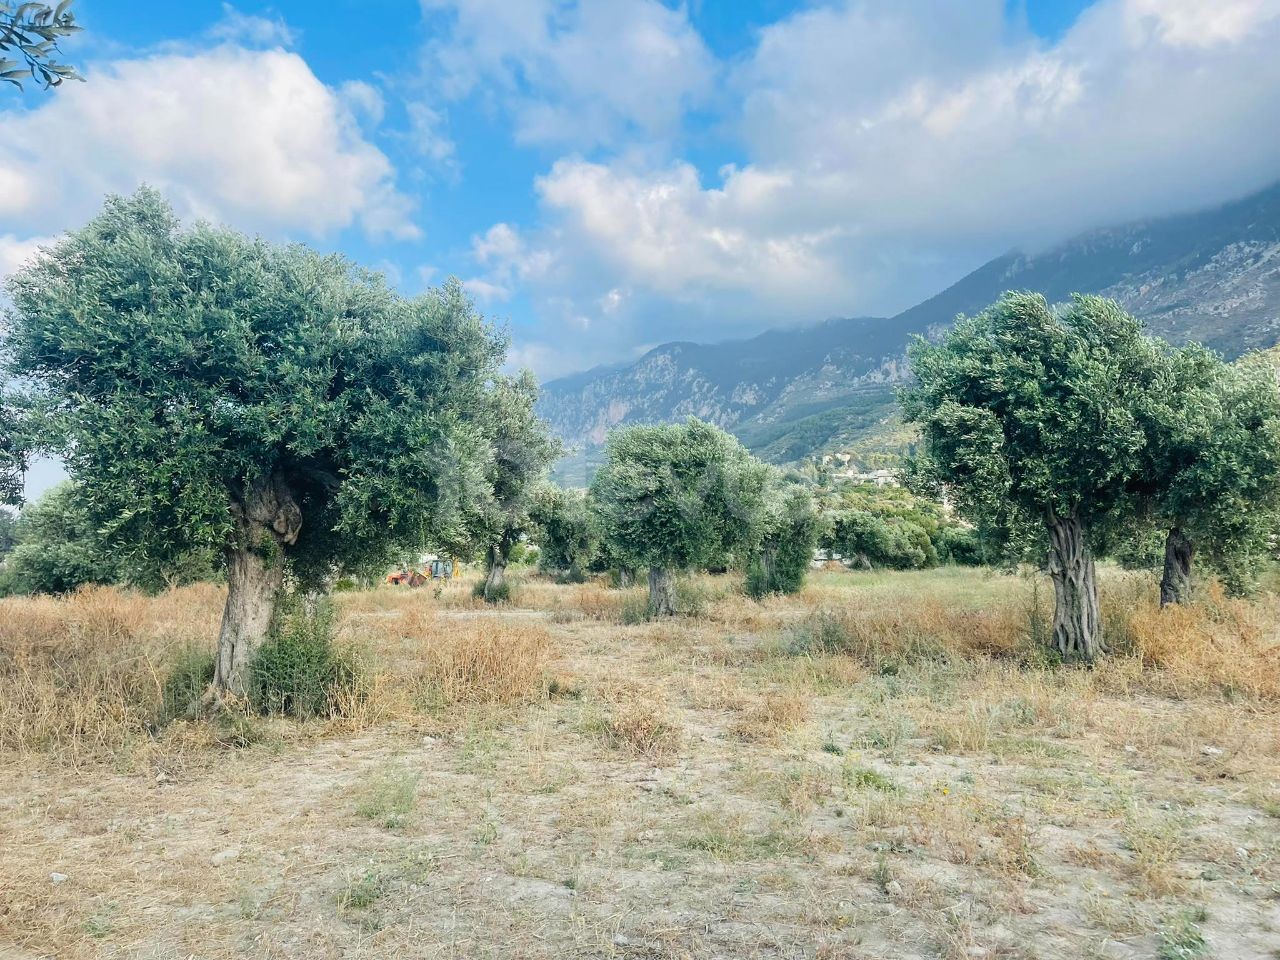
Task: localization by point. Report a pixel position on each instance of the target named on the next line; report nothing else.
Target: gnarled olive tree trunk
(1077, 623)
(267, 519)
(1175, 584)
(495, 580)
(769, 566)
(662, 592)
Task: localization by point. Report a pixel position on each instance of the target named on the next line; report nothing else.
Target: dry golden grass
(884, 765)
(1219, 643)
(635, 718)
(772, 716)
(481, 661)
(84, 675)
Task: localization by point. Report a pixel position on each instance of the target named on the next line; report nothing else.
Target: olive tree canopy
(523, 449)
(791, 527)
(1028, 413)
(677, 496)
(1211, 478)
(13, 452)
(29, 35)
(208, 389)
(568, 531)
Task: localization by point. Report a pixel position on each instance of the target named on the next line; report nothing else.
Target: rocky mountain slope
(1211, 276)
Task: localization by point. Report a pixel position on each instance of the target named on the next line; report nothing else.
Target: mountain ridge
(789, 393)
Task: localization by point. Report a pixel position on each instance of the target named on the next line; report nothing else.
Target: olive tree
(568, 531)
(791, 525)
(211, 390)
(13, 453)
(1031, 414)
(523, 449)
(677, 496)
(56, 548)
(1212, 471)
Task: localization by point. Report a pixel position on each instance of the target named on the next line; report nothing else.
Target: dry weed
(637, 719)
(769, 718)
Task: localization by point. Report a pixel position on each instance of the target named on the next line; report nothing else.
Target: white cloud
(581, 74)
(428, 136)
(508, 262)
(364, 100)
(1197, 23)
(255, 30)
(892, 146)
(252, 138)
(486, 291)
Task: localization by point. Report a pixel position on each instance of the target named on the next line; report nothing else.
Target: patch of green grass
(864, 778)
(361, 892)
(486, 833)
(389, 799)
(1181, 936)
(102, 923)
(1029, 747)
(735, 845)
(416, 866)
(482, 748)
(882, 873)
(890, 733)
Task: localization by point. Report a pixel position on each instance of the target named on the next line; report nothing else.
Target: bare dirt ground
(702, 788)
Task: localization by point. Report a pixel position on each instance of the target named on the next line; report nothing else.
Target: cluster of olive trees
(678, 497)
(213, 394)
(1072, 425)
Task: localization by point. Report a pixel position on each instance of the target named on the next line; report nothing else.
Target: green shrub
(959, 545)
(499, 594)
(523, 554)
(57, 548)
(572, 575)
(820, 633)
(298, 671)
(186, 684)
(692, 598)
(634, 610)
(362, 892)
(793, 527)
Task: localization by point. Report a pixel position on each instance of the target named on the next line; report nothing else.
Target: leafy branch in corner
(32, 31)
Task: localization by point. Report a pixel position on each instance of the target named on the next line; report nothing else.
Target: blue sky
(609, 175)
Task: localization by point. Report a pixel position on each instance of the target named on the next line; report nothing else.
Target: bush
(524, 554)
(959, 545)
(186, 684)
(499, 594)
(298, 671)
